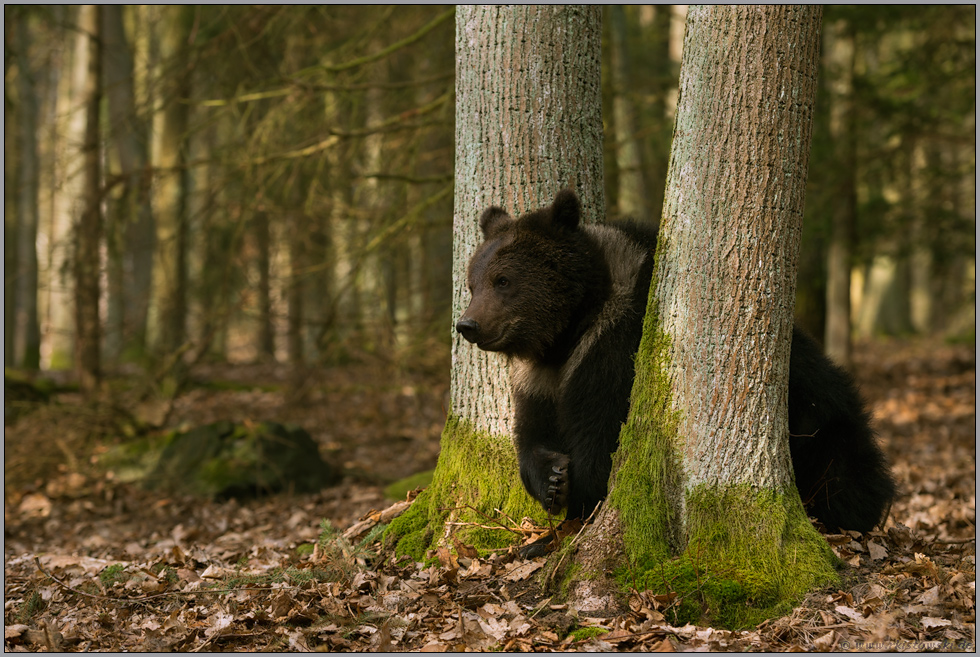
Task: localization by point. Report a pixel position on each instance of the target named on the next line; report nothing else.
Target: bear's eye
(502, 281)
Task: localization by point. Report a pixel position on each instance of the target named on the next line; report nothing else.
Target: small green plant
(113, 574)
(33, 604)
(588, 633)
(170, 575)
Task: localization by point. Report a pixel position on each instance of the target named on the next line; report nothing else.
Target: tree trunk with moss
(528, 122)
(703, 501)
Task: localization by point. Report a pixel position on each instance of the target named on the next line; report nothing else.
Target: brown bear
(566, 303)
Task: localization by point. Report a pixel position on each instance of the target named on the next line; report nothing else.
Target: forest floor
(92, 564)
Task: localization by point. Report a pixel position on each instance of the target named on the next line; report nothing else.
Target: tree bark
(88, 230)
(133, 228)
(169, 299)
(66, 202)
(631, 196)
(528, 122)
(704, 472)
(27, 336)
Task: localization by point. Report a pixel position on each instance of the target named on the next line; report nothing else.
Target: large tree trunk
(528, 122)
(88, 230)
(27, 336)
(704, 467)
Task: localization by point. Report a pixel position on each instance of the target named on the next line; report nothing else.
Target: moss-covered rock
(223, 460)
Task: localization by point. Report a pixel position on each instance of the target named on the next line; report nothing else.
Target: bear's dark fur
(566, 303)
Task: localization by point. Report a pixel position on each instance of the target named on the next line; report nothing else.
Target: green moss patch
(750, 556)
(399, 489)
(475, 479)
(646, 487)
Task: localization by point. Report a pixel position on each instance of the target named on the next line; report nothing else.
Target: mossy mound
(223, 460)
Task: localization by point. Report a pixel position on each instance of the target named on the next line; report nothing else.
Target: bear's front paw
(556, 498)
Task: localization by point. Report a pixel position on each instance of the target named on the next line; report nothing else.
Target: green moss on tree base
(647, 484)
(744, 555)
(475, 477)
(750, 556)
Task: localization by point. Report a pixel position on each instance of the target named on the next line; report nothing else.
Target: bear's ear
(492, 220)
(565, 210)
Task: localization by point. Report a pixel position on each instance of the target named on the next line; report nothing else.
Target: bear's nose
(468, 328)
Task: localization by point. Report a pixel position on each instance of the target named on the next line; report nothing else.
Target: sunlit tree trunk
(528, 122)
(169, 299)
(88, 230)
(27, 337)
(704, 470)
(839, 49)
(927, 199)
(66, 202)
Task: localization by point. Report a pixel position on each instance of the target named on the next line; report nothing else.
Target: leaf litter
(91, 564)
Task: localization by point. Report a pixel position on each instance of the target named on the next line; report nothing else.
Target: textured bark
(732, 225)
(528, 122)
(704, 470)
(88, 231)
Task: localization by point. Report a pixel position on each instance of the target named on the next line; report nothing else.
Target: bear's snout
(468, 328)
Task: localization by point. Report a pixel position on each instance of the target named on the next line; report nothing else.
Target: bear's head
(532, 280)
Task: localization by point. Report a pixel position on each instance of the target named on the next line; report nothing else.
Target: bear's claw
(557, 496)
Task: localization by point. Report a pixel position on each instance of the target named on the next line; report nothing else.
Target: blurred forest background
(240, 184)
(222, 218)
